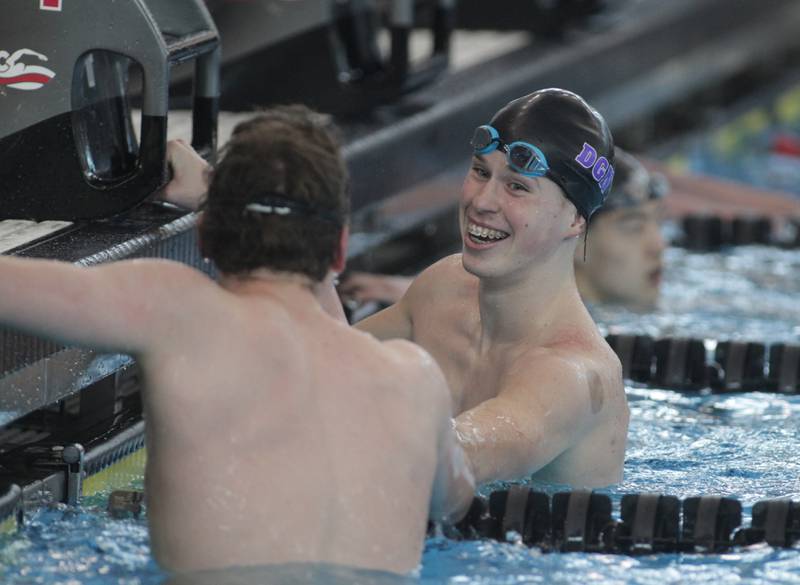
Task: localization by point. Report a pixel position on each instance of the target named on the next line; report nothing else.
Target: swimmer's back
(305, 441)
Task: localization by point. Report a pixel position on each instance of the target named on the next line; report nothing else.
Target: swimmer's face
(508, 220)
(624, 260)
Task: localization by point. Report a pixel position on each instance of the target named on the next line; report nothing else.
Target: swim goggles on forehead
(523, 157)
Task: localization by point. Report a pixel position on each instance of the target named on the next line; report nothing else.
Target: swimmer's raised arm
(190, 176)
(392, 323)
(520, 431)
(395, 322)
(121, 306)
(363, 287)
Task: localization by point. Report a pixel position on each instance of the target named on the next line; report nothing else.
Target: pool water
(748, 293)
(740, 445)
(78, 545)
(743, 446)
(755, 141)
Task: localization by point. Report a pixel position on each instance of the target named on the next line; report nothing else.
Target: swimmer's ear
(340, 258)
(578, 225)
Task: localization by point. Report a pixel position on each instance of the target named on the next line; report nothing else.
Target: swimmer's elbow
(519, 457)
(455, 512)
(451, 504)
(453, 488)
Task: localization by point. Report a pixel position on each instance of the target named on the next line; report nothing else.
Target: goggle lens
(482, 139)
(524, 158)
(520, 157)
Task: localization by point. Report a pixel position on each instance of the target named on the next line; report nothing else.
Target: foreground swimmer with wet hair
(275, 432)
(536, 388)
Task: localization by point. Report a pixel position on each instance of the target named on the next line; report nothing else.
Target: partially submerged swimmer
(536, 388)
(624, 263)
(275, 432)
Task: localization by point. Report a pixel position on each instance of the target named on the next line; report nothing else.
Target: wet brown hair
(291, 152)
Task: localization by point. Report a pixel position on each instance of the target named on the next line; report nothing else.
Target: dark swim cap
(573, 136)
(633, 183)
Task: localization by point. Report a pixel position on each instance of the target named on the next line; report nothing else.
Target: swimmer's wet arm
(364, 287)
(123, 306)
(397, 321)
(532, 421)
(392, 323)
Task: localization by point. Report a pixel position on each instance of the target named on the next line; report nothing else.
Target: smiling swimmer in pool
(623, 265)
(536, 388)
(276, 433)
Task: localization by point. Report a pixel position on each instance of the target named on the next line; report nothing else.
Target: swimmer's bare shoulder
(591, 367)
(172, 294)
(440, 287)
(579, 403)
(441, 281)
(414, 356)
(418, 375)
(445, 281)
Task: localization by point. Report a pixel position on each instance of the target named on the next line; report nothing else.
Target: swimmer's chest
(448, 326)
(472, 378)
(482, 381)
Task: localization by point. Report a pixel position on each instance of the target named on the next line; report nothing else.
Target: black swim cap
(633, 183)
(573, 136)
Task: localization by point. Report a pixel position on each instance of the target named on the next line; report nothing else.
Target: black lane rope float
(710, 233)
(682, 363)
(582, 521)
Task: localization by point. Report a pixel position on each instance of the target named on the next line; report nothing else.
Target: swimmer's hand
(190, 176)
(363, 287)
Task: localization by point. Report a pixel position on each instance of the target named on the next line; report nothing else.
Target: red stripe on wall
(25, 78)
